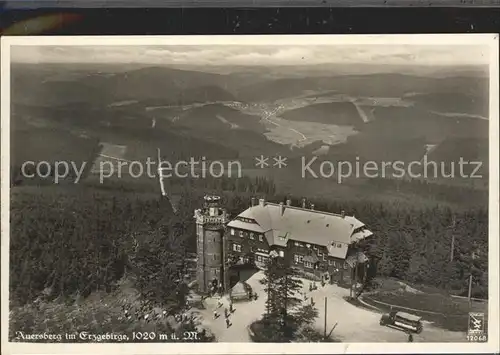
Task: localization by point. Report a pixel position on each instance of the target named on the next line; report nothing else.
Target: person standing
(410, 337)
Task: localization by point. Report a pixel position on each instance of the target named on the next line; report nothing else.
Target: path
(355, 324)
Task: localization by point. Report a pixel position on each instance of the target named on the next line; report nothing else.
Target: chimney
(342, 213)
(288, 202)
(303, 203)
(262, 202)
(312, 206)
(282, 208)
(252, 201)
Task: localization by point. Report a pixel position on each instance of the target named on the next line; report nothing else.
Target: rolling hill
(236, 114)
(337, 113)
(376, 85)
(217, 117)
(160, 84)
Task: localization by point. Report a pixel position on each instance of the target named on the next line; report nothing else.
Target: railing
(201, 219)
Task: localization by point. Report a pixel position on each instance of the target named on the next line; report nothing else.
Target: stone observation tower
(210, 224)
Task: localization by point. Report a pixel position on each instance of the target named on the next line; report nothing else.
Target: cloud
(255, 55)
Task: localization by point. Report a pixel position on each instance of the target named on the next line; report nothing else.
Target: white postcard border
(490, 40)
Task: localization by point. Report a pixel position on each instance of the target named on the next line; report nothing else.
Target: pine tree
(284, 316)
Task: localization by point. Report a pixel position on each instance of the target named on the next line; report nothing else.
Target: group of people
(217, 288)
(252, 295)
(227, 313)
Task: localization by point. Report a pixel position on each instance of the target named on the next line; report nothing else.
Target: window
(324, 257)
(232, 231)
(308, 245)
(261, 238)
(331, 262)
(259, 258)
(308, 264)
(236, 247)
(281, 254)
(345, 266)
(298, 258)
(296, 244)
(241, 234)
(339, 245)
(252, 236)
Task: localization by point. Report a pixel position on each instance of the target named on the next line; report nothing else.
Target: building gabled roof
(281, 223)
(254, 227)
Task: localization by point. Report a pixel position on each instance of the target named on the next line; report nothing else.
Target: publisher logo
(476, 323)
(476, 328)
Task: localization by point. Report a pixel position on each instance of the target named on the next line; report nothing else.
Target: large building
(325, 244)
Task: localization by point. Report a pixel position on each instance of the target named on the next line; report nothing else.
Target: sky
(256, 55)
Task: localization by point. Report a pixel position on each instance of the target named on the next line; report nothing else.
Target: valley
(340, 118)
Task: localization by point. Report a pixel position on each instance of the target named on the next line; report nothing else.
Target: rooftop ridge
(307, 209)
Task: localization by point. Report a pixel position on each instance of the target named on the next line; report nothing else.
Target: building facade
(324, 244)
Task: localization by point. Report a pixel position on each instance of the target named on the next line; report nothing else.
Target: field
(433, 305)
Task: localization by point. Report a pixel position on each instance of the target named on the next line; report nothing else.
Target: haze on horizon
(265, 55)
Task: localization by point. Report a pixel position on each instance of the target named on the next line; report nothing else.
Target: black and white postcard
(250, 194)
